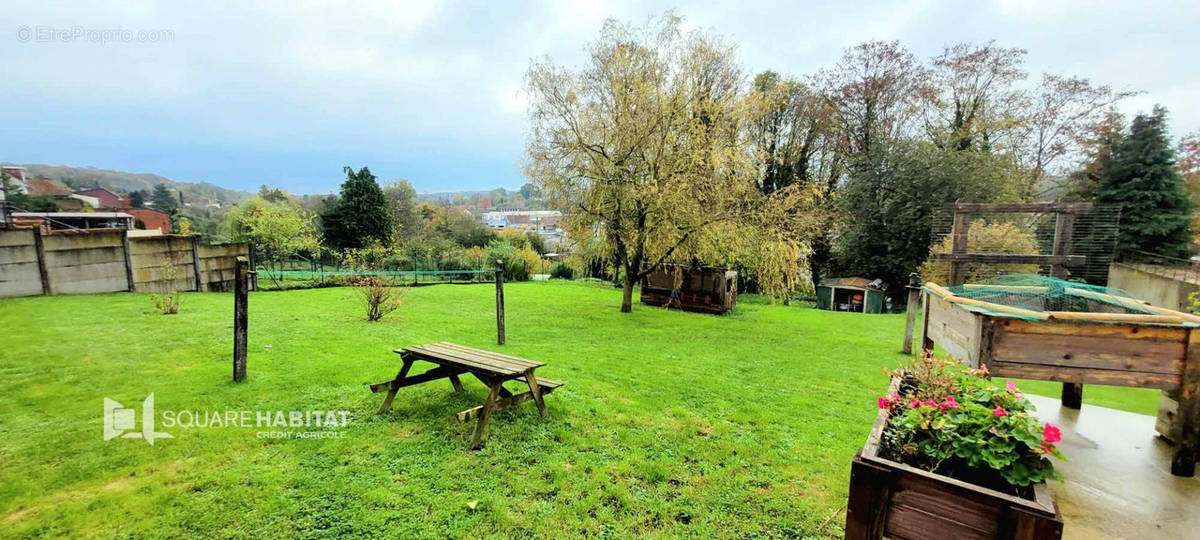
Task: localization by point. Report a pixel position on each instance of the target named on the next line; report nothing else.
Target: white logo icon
(118, 420)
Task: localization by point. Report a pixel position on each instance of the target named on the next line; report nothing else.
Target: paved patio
(1118, 481)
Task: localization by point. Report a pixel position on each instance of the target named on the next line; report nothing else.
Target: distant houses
(95, 208)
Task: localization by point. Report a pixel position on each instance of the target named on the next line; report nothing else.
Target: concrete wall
(85, 263)
(1160, 288)
(149, 257)
(19, 275)
(96, 261)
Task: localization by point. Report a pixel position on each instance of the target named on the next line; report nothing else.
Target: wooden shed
(854, 294)
(691, 288)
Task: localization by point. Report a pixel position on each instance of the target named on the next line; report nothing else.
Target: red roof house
(107, 198)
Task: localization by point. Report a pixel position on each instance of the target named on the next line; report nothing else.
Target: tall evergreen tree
(360, 215)
(1141, 176)
(163, 200)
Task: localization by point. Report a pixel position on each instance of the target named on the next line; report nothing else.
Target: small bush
(561, 270)
(167, 303)
(379, 296)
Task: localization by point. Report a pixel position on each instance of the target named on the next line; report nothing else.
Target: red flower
(1051, 434)
(999, 411)
(949, 403)
(885, 402)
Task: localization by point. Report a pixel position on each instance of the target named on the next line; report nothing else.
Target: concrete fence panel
(106, 261)
(85, 263)
(217, 265)
(148, 257)
(19, 274)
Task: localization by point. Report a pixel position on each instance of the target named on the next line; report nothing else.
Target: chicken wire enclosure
(976, 242)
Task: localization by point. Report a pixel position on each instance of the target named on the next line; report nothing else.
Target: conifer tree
(360, 216)
(1141, 176)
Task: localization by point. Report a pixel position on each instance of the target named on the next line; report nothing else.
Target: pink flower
(983, 368)
(914, 403)
(1051, 434)
(949, 403)
(1011, 386)
(886, 402)
(929, 403)
(999, 411)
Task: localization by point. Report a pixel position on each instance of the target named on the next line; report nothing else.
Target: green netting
(1041, 294)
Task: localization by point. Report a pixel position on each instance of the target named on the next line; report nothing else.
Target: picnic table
(492, 369)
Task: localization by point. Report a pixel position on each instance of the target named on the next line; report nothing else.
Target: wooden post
(128, 259)
(1072, 393)
(926, 341)
(253, 266)
(910, 317)
(40, 248)
(958, 245)
(241, 283)
(1184, 463)
(867, 509)
(499, 305)
(196, 263)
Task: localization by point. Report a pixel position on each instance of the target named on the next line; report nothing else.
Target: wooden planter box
(1144, 351)
(891, 499)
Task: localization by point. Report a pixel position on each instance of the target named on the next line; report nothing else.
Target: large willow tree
(642, 146)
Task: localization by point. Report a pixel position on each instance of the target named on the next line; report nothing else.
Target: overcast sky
(249, 93)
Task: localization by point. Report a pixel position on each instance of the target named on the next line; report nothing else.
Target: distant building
(533, 220)
(18, 177)
(483, 203)
(152, 220)
(49, 221)
(63, 198)
(108, 199)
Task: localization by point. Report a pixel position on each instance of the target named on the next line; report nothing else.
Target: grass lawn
(671, 424)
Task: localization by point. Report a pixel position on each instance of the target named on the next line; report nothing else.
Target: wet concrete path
(1118, 481)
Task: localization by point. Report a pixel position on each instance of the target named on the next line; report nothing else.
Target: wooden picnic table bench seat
(491, 368)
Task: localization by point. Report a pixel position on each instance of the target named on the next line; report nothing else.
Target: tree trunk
(627, 294)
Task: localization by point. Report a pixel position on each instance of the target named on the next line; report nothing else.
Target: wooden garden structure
(691, 288)
(1152, 347)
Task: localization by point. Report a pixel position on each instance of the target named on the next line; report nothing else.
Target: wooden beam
(1115, 317)
(958, 247)
(196, 264)
(1010, 258)
(1184, 462)
(1021, 208)
(128, 259)
(40, 249)
(949, 296)
(241, 281)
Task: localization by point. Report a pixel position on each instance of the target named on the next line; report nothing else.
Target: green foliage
(402, 201)
(276, 229)
(1141, 176)
(952, 420)
(167, 303)
(518, 263)
(137, 199)
(562, 270)
(888, 205)
(360, 214)
(163, 200)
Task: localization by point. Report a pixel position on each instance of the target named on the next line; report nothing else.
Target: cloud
(432, 91)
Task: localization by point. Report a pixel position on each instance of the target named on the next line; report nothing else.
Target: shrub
(378, 294)
(983, 237)
(562, 270)
(954, 421)
(167, 303)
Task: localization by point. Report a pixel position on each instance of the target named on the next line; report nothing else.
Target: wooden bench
(491, 368)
